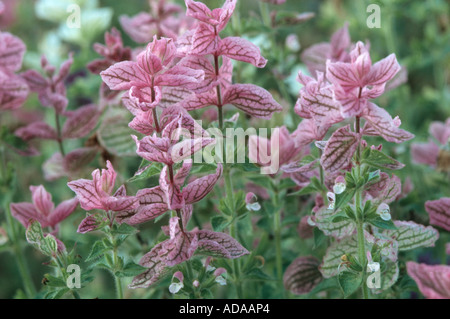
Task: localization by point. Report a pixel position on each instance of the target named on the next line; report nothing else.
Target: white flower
(339, 188)
(221, 280)
(373, 266)
(175, 287)
(384, 211)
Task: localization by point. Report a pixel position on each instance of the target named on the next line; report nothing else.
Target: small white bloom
(210, 268)
(196, 283)
(175, 287)
(221, 280)
(253, 207)
(339, 188)
(384, 211)
(374, 266)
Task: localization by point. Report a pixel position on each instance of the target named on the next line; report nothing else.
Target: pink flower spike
(433, 281)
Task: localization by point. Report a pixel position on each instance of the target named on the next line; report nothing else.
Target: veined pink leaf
(152, 203)
(205, 41)
(382, 122)
(252, 99)
(86, 193)
(153, 149)
(198, 101)
(36, 82)
(302, 275)
(181, 245)
(62, 211)
(146, 98)
(124, 75)
(339, 150)
(156, 265)
(24, 212)
(433, 280)
(37, 130)
(42, 200)
(79, 158)
(242, 50)
(440, 131)
(180, 76)
(439, 212)
(198, 189)
(383, 71)
(308, 131)
(90, 223)
(12, 50)
(81, 122)
(188, 147)
(219, 245)
(183, 172)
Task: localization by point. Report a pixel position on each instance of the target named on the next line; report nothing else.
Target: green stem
(360, 219)
(277, 226)
(58, 131)
(233, 228)
(118, 280)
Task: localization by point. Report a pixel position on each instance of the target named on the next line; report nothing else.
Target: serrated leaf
(378, 159)
(97, 250)
(349, 282)
(219, 223)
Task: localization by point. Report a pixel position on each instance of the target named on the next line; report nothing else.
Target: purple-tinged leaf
(124, 75)
(37, 130)
(386, 127)
(339, 150)
(86, 193)
(242, 50)
(433, 280)
(79, 158)
(81, 122)
(90, 223)
(252, 99)
(198, 189)
(152, 203)
(439, 212)
(219, 245)
(42, 200)
(302, 275)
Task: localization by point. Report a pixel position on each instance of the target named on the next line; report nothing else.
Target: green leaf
(149, 171)
(55, 281)
(383, 224)
(56, 294)
(97, 250)
(124, 229)
(313, 187)
(257, 273)
(350, 282)
(319, 237)
(246, 167)
(378, 159)
(343, 198)
(219, 223)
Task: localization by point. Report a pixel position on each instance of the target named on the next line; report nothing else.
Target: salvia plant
(313, 208)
